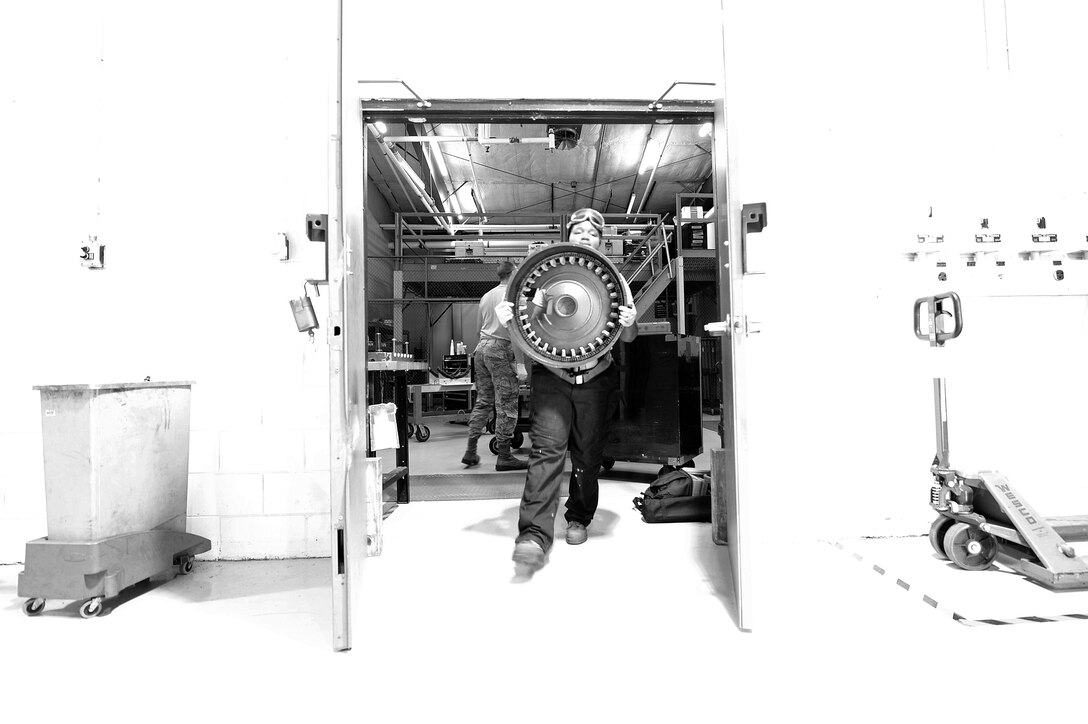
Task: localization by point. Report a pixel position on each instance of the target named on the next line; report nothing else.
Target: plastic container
(116, 458)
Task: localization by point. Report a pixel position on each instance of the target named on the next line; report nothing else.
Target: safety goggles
(591, 215)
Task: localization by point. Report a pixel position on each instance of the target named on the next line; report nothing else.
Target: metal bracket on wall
(753, 219)
(317, 229)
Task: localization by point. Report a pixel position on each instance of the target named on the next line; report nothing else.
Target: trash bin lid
(112, 386)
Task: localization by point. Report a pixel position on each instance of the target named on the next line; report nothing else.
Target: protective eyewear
(591, 215)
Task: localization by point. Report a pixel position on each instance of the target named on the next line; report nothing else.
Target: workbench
(387, 381)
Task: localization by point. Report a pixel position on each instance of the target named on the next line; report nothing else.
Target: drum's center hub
(566, 305)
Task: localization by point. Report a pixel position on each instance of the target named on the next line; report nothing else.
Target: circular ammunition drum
(579, 319)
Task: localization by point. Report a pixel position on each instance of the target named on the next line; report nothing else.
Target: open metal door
(731, 522)
(350, 468)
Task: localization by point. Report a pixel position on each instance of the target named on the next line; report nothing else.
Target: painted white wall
(855, 118)
(188, 140)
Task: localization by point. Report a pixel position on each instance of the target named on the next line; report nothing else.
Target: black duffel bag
(673, 498)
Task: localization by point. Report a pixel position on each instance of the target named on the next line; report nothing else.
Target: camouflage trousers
(496, 389)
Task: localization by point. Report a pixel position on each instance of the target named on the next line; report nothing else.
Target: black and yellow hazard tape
(932, 602)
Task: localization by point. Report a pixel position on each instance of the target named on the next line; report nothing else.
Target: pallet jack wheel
(423, 433)
(936, 535)
(33, 606)
(91, 608)
(970, 548)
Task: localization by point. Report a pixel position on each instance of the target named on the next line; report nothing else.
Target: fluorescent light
(653, 150)
(381, 127)
(704, 130)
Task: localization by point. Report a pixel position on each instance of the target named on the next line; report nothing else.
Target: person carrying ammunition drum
(572, 411)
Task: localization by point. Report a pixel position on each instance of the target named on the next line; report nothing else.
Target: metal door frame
(731, 462)
(346, 328)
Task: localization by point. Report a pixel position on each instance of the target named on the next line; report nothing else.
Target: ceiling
(516, 167)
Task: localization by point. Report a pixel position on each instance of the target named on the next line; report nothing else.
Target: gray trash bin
(116, 487)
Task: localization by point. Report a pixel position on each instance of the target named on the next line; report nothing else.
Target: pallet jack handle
(937, 310)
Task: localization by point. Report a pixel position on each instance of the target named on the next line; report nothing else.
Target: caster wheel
(411, 429)
(91, 608)
(607, 463)
(185, 567)
(493, 446)
(33, 606)
(969, 547)
(517, 440)
(423, 433)
(936, 535)
(491, 426)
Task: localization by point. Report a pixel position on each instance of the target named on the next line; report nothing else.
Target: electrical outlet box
(93, 254)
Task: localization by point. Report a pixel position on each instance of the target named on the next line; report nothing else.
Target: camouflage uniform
(496, 389)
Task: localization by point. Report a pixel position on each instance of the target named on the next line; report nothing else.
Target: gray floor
(635, 625)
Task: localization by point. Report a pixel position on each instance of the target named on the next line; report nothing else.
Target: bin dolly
(96, 570)
(981, 517)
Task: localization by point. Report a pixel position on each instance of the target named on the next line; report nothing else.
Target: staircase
(651, 264)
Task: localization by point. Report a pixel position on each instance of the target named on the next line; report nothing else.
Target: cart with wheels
(116, 484)
(981, 518)
(94, 571)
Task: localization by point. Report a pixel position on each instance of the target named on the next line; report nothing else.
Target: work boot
(506, 459)
(528, 557)
(470, 457)
(576, 533)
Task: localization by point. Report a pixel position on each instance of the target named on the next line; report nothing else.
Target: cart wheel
(186, 566)
(423, 433)
(493, 446)
(490, 427)
(607, 463)
(969, 547)
(517, 440)
(411, 429)
(34, 606)
(936, 535)
(91, 608)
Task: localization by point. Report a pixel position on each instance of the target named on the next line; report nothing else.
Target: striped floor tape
(932, 602)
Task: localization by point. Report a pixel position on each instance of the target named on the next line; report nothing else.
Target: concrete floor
(635, 625)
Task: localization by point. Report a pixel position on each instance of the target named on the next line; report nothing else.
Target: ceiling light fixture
(704, 130)
(382, 128)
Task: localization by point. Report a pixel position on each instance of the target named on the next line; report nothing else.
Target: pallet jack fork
(981, 517)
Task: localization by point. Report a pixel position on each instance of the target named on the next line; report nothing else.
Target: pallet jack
(981, 517)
